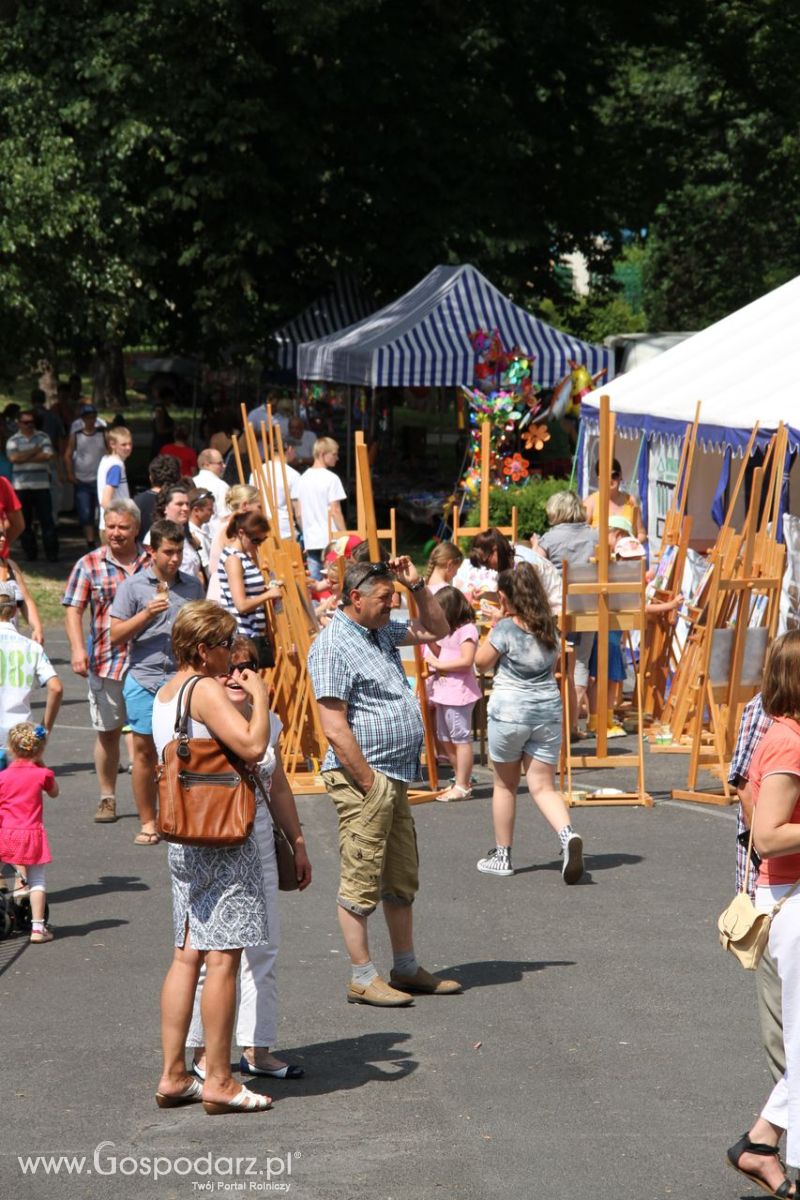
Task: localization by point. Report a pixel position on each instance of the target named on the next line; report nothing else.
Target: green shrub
(530, 500)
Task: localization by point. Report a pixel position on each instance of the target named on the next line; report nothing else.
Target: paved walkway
(603, 1047)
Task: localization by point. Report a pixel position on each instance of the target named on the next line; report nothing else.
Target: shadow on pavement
(104, 885)
(336, 1066)
(68, 931)
(494, 971)
(594, 862)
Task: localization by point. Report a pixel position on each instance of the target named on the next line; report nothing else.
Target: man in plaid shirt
(372, 722)
(754, 725)
(93, 583)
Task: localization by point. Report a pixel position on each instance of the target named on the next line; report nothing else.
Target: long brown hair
(780, 686)
(484, 546)
(525, 590)
(456, 607)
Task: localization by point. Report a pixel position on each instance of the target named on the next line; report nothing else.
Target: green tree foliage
(707, 150)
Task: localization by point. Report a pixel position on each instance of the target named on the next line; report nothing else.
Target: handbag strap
(182, 718)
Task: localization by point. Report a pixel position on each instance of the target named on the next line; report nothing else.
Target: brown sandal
(146, 839)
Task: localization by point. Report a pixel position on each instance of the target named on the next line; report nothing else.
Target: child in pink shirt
(23, 840)
(453, 689)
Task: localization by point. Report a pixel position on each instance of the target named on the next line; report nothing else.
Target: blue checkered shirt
(363, 668)
(754, 725)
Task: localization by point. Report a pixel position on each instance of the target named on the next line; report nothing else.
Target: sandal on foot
(784, 1191)
(39, 936)
(146, 839)
(245, 1102)
(191, 1094)
(455, 792)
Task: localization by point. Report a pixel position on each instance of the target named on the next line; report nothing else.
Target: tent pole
(349, 456)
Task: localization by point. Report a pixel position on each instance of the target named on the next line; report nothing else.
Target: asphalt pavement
(604, 1045)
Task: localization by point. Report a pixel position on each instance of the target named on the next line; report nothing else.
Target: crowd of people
(177, 598)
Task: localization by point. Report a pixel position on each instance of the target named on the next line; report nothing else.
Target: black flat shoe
(289, 1071)
(785, 1190)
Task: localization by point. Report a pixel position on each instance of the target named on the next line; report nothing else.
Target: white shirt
(120, 492)
(293, 479)
(23, 665)
(211, 482)
(318, 489)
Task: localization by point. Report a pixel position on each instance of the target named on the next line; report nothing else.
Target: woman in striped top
(242, 590)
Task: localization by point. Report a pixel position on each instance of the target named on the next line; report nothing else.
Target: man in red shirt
(12, 521)
(180, 450)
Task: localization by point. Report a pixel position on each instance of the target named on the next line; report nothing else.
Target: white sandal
(455, 792)
(245, 1102)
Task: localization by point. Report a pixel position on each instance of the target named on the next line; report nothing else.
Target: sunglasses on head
(202, 497)
(373, 570)
(250, 665)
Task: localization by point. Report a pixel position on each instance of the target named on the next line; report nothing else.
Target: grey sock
(564, 835)
(363, 973)
(406, 963)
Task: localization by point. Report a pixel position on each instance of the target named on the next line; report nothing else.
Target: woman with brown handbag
(257, 1021)
(217, 893)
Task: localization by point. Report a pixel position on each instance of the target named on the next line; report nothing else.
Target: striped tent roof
(422, 339)
(335, 309)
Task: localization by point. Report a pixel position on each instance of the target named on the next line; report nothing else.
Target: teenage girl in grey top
(524, 718)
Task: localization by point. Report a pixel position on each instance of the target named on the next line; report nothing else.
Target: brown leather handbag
(205, 792)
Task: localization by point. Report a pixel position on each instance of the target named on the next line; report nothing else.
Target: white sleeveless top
(164, 731)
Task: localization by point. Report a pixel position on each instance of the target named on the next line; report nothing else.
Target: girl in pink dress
(453, 689)
(23, 840)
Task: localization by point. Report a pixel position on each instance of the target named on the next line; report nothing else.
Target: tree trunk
(48, 379)
(108, 376)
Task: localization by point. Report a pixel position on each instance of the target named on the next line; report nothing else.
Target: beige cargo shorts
(377, 842)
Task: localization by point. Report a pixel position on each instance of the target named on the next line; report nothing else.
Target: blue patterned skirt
(218, 895)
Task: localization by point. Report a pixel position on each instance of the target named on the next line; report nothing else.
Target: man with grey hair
(93, 583)
(372, 721)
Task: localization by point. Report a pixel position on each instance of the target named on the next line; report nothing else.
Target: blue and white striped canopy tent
(744, 368)
(335, 309)
(422, 339)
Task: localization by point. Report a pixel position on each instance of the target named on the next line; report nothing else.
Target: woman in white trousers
(775, 785)
(257, 1020)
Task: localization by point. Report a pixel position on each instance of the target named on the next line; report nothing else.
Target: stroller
(15, 908)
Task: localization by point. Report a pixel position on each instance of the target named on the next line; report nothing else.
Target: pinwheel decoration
(535, 437)
(515, 467)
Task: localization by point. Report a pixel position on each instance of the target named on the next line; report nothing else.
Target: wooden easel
(742, 618)
(601, 597)
(657, 654)
(468, 531)
(291, 623)
(365, 502)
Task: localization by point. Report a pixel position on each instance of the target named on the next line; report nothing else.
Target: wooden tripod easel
(468, 531)
(292, 623)
(602, 597)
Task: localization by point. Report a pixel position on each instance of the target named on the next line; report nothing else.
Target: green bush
(530, 500)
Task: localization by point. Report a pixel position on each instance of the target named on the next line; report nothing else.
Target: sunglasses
(226, 645)
(374, 570)
(202, 497)
(250, 665)
(25, 421)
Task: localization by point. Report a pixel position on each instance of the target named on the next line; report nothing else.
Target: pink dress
(22, 836)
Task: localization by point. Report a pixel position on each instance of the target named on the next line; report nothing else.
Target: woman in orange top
(620, 504)
(775, 785)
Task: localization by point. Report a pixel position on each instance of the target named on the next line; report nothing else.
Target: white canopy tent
(743, 369)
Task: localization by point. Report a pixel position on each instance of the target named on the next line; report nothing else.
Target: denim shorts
(509, 740)
(138, 705)
(86, 502)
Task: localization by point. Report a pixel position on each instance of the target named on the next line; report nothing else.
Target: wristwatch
(418, 586)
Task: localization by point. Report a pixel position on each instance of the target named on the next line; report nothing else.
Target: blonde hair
(441, 555)
(564, 508)
(239, 494)
(324, 445)
(24, 741)
(120, 433)
(199, 621)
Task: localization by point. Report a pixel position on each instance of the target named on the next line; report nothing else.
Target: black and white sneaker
(572, 866)
(496, 863)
